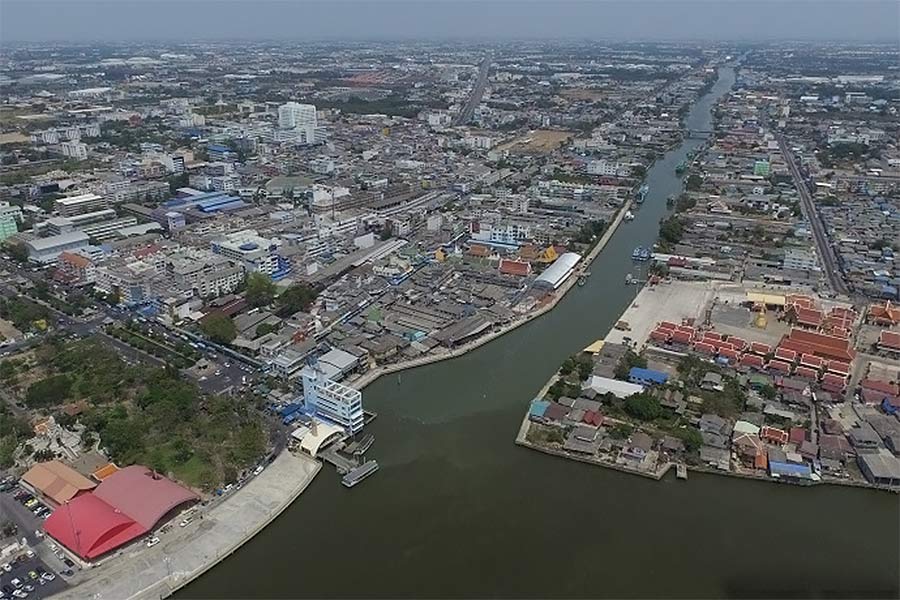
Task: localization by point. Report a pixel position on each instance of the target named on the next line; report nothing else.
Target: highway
(823, 246)
(468, 111)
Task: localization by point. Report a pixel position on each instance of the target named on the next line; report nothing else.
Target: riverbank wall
(186, 553)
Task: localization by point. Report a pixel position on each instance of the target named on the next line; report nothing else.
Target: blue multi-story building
(332, 401)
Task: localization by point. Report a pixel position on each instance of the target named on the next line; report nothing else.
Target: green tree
(260, 289)
(48, 392)
(219, 328)
(691, 438)
(693, 183)
(297, 297)
(643, 406)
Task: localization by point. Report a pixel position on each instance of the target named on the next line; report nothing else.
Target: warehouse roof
(556, 273)
(57, 481)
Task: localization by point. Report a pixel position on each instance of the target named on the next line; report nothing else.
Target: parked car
(46, 576)
(152, 541)
(186, 522)
(6, 567)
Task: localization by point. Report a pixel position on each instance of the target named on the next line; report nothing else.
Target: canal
(458, 510)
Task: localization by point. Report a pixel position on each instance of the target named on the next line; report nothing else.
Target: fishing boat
(642, 193)
(359, 473)
(681, 168)
(629, 278)
(641, 254)
(629, 216)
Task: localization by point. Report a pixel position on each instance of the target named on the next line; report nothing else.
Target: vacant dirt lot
(540, 141)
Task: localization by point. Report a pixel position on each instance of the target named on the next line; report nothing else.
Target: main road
(468, 111)
(823, 245)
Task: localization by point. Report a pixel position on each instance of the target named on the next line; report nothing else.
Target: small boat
(642, 193)
(629, 278)
(681, 168)
(681, 471)
(629, 216)
(641, 254)
(359, 473)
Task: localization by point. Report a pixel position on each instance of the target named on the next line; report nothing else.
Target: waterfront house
(716, 458)
(638, 446)
(750, 450)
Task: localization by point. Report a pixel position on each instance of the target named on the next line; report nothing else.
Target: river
(458, 510)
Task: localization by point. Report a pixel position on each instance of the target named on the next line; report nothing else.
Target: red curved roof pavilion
(126, 505)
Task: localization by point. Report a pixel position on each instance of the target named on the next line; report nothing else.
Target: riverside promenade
(185, 553)
(371, 376)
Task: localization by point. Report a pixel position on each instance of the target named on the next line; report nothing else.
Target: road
(826, 253)
(468, 111)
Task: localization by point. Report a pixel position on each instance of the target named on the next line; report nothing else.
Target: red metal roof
(141, 494)
(660, 335)
(785, 354)
(728, 353)
(682, 337)
(797, 435)
(807, 373)
(811, 360)
(779, 365)
(90, 527)
(760, 348)
(515, 267)
(877, 385)
(704, 348)
(826, 346)
(751, 360)
(737, 343)
(124, 506)
(774, 434)
(668, 325)
(889, 339)
(836, 366)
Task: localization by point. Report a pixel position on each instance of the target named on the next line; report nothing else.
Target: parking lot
(31, 577)
(16, 512)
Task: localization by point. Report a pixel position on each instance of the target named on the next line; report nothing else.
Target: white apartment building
(76, 150)
(76, 205)
(248, 248)
(293, 115)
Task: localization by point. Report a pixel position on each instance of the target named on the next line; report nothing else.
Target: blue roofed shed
(537, 410)
(647, 376)
(789, 470)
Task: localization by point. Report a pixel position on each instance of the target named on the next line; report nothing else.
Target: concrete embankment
(371, 376)
(185, 553)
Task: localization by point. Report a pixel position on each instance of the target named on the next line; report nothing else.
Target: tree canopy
(260, 289)
(219, 328)
(297, 297)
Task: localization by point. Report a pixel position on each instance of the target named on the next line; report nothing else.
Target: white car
(186, 522)
(6, 567)
(152, 541)
(29, 554)
(48, 576)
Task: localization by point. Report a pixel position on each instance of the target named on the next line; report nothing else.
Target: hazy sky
(82, 20)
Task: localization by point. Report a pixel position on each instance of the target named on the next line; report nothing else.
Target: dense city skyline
(868, 20)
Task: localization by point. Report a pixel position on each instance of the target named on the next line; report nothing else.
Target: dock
(359, 473)
(681, 471)
(359, 447)
(333, 455)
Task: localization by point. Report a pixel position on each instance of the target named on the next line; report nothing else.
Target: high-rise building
(8, 226)
(293, 115)
(332, 401)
